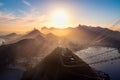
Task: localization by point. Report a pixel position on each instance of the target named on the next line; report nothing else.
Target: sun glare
(60, 19)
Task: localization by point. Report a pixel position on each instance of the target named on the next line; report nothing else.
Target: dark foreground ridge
(62, 64)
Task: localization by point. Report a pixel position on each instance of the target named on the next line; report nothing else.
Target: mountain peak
(63, 62)
(44, 28)
(34, 32)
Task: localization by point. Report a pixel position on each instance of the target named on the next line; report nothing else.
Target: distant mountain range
(91, 36)
(13, 37)
(9, 37)
(32, 44)
(36, 42)
(81, 35)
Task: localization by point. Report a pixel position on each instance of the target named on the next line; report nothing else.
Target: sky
(23, 15)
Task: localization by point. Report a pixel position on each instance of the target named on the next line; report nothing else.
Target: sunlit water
(104, 59)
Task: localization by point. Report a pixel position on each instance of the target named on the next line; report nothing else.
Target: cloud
(6, 17)
(26, 3)
(27, 19)
(1, 4)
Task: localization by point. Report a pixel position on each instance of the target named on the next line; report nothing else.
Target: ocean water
(104, 59)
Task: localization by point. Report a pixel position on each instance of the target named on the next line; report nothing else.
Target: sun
(60, 19)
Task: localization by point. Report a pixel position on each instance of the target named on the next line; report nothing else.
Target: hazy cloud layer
(1, 4)
(23, 19)
(31, 19)
(26, 3)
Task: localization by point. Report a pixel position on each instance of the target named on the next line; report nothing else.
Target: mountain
(23, 49)
(9, 38)
(33, 34)
(13, 37)
(8, 35)
(26, 48)
(103, 35)
(56, 31)
(103, 31)
(62, 64)
(51, 37)
(83, 36)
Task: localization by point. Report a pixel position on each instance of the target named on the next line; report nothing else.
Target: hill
(83, 36)
(9, 38)
(26, 48)
(62, 64)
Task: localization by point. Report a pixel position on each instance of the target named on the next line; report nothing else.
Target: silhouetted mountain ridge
(83, 35)
(59, 66)
(34, 33)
